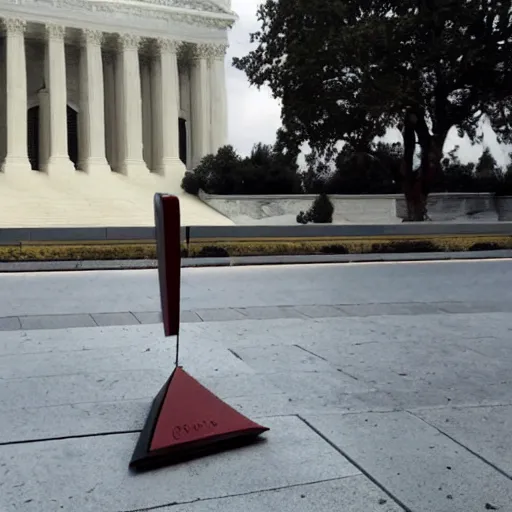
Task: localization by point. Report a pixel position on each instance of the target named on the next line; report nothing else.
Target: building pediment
(219, 7)
(206, 13)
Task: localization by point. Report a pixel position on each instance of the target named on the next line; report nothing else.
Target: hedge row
(145, 251)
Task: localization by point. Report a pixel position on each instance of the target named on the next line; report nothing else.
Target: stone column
(130, 116)
(58, 162)
(200, 103)
(16, 159)
(44, 126)
(110, 109)
(92, 104)
(166, 101)
(218, 99)
(147, 119)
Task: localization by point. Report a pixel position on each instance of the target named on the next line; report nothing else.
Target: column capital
(164, 45)
(202, 51)
(14, 25)
(128, 42)
(54, 31)
(91, 37)
(218, 51)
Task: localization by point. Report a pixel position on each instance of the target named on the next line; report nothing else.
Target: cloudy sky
(254, 116)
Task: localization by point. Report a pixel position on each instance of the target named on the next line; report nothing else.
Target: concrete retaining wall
(283, 209)
(369, 209)
(456, 207)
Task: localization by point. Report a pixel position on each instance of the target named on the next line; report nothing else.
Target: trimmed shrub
(211, 251)
(485, 246)
(321, 211)
(405, 246)
(334, 249)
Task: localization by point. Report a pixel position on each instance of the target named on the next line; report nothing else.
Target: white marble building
(107, 102)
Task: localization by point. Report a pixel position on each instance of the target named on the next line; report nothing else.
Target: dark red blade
(168, 241)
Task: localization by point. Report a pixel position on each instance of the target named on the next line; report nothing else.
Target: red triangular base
(187, 420)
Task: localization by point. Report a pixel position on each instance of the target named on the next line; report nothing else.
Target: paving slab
(317, 392)
(56, 321)
(10, 323)
(104, 319)
(155, 317)
(484, 430)
(338, 330)
(92, 418)
(36, 476)
(423, 469)
(189, 316)
(278, 358)
(351, 494)
(319, 311)
(197, 356)
(148, 317)
(266, 313)
(393, 364)
(256, 333)
(53, 407)
(219, 315)
(389, 309)
(472, 307)
(499, 347)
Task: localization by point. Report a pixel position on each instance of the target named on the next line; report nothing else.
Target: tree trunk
(411, 184)
(416, 202)
(417, 183)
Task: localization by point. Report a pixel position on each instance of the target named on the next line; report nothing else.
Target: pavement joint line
(462, 445)
(347, 374)
(456, 407)
(235, 354)
(311, 353)
(135, 317)
(64, 438)
(238, 495)
(356, 464)
(93, 319)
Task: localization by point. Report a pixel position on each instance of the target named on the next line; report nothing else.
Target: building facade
(98, 88)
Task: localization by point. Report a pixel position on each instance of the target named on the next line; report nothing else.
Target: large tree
(347, 70)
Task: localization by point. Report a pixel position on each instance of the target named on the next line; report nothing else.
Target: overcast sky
(254, 116)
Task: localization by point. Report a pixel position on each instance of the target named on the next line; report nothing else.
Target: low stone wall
(456, 207)
(368, 209)
(504, 208)
(282, 210)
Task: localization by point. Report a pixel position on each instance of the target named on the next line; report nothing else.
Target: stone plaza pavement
(386, 388)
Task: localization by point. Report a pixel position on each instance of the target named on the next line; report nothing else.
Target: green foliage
(456, 177)
(504, 186)
(318, 174)
(265, 171)
(372, 172)
(345, 70)
(215, 174)
(368, 172)
(488, 175)
(320, 212)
